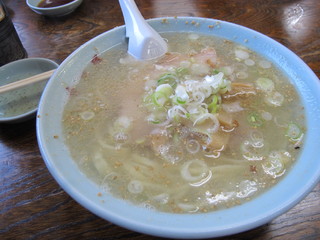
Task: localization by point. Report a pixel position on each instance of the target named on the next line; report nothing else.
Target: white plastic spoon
(144, 42)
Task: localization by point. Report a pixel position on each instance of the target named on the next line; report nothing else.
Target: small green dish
(21, 104)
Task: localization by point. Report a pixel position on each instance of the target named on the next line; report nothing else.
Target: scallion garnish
(169, 78)
(293, 132)
(255, 119)
(213, 106)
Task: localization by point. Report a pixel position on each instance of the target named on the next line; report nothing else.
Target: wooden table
(33, 206)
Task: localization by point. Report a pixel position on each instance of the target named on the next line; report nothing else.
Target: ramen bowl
(296, 184)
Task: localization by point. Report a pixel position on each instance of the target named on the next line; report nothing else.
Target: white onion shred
(176, 110)
(181, 93)
(198, 97)
(208, 116)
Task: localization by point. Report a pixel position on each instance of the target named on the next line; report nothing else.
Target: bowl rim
(25, 115)
(175, 229)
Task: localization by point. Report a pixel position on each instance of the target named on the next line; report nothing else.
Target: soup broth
(208, 126)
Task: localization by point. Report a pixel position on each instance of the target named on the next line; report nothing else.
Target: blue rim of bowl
(51, 8)
(214, 224)
(32, 112)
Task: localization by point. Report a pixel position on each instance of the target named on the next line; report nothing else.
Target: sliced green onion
(265, 84)
(155, 121)
(274, 99)
(168, 78)
(209, 122)
(181, 95)
(179, 100)
(225, 86)
(215, 71)
(265, 64)
(176, 113)
(147, 98)
(181, 71)
(294, 132)
(214, 109)
(166, 89)
(255, 119)
(241, 54)
(214, 106)
(159, 99)
(197, 101)
(157, 117)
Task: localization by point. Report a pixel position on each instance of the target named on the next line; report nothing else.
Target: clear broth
(109, 133)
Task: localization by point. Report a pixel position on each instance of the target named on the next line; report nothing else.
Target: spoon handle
(132, 16)
(144, 42)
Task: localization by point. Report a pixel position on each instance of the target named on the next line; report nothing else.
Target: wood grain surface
(33, 206)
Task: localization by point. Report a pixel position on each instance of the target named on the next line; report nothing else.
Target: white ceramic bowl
(21, 104)
(58, 11)
(287, 193)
